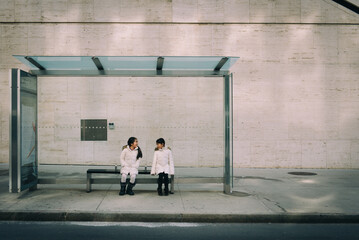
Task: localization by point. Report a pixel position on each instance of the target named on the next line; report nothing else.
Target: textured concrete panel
(7, 13)
(338, 154)
(240, 11)
(184, 11)
(236, 10)
(263, 153)
(314, 154)
(354, 154)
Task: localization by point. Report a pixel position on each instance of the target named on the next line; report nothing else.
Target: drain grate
(302, 173)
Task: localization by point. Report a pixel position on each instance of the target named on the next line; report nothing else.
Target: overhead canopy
(128, 65)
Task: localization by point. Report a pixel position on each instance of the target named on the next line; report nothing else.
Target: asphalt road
(174, 231)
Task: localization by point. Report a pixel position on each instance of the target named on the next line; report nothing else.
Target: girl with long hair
(130, 162)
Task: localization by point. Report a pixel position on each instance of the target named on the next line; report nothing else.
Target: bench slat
(113, 171)
(61, 181)
(117, 181)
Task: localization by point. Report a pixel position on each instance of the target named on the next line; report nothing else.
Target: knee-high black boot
(123, 189)
(166, 184)
(130, 187)
(159, 188)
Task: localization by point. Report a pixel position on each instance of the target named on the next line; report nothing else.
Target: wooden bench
(148, 180)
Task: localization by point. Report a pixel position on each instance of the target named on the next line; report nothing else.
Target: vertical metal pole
(12, 121)
(19, 150)
(228, 132)
(37, 133)
(14, 131)
(10, 131)
(232, 165)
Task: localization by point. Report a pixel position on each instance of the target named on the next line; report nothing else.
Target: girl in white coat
(162, 165)
(130, 161)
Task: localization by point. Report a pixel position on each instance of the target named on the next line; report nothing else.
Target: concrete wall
(147, 108)
(296, 88)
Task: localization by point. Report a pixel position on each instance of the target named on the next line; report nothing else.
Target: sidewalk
(259, 195)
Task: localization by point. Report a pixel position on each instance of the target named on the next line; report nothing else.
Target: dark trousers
(163, 178)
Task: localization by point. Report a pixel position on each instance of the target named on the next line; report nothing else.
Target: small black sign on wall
(93, 129)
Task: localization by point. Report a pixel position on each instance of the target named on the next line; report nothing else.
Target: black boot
(166, 185)
(129, 188)
(159, 188)
(123, 189)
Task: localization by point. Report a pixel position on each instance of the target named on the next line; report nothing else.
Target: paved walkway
(260, 195)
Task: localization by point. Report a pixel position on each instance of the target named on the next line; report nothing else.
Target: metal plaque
(93, 129)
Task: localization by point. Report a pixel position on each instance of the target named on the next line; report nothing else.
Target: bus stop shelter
(23, 158)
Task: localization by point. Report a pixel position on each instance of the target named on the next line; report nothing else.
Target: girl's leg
(133, 178)
(166, 181)
(160, 176)
(123, 184)
(160, 181)
(131, 184)
(123, 178)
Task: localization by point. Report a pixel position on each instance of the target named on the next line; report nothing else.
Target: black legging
(163, 178)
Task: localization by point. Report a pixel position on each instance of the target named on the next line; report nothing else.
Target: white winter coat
(129, 161)
(163, 162)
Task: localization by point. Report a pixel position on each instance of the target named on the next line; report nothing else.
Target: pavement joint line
(276, 204)
(256, 196)
(180, 193)
(103, 198)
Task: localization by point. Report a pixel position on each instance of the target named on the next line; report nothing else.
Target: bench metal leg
(88, 183)
(172, 184)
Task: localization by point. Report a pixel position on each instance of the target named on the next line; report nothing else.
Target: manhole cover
(239, 194)
(302, 173)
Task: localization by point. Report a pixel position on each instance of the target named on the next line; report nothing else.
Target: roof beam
(159, 66)
(348, 4)
(131, 73)
(33, 62)
(221, 63)
(98, 63)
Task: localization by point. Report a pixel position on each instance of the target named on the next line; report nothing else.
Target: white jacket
(163, 162)
(129, 161)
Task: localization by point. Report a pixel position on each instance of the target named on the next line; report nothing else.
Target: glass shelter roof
(128, 65)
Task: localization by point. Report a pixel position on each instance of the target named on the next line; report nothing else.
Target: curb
(177, 217)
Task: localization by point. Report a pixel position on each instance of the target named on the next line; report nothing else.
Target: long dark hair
(161, 141)
(130, 141)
